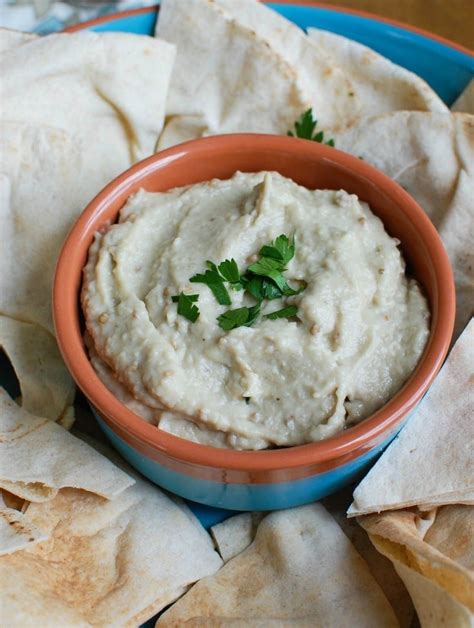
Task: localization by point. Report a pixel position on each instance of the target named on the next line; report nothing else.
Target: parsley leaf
(260, 288)
(286, 312)
(281, 249)
(186, 306)
(268, 267)
(214, 281)
(305, 126)
(229, 271)
(242, 316)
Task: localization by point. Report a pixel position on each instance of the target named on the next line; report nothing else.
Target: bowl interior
(311, 165)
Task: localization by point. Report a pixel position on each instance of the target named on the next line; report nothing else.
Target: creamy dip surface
(359, 332)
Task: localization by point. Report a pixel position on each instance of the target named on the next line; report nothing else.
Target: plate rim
(119, 15)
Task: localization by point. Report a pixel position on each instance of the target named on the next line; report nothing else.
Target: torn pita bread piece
(235, 534)
(442, 589)
(10, 38)
(431, 460)
(47, 389)
(225, 79)
(345, 80)
(330, 89)
(16, 531)
(380, 567)
(300, 570)
(465, 102)
(431, 155)
(38, 457)
(106, 563)
(381, 86)
(76, 110)
(452, 534)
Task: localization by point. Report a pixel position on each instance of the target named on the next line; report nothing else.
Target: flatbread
(235, 534)
(381, 86)
(465, 102)
(452, 534)
(38, 457)
(16, 531)
(345, 79)
(431, 155)
(47, 389)
(300, 570)
(380, 567)
(441, 588)
(432, 457)
(76, 110)
(106, 563)
(225, 79)
(53, 161)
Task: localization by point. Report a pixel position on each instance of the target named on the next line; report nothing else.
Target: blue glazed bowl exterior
(235, 496)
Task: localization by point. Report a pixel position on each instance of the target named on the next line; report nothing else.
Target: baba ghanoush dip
(251, 312)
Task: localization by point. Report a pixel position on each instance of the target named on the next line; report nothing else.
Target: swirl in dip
(360, 328)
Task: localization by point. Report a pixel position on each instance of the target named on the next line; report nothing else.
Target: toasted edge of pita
(434, 605)
(16, 530)
(38, 457)
(106, 562)
(452, 533)
(395, 534)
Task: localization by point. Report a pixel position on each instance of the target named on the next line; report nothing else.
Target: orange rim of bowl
(320, 5)
(66, 309)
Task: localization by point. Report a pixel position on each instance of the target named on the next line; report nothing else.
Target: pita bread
(442, 589)
(465, 102)
(46, 387)
(53, 160)
(235, 534)
(452, 534)
(381, 86)
(435, 447)
(38, 457)
(225, 79)
(435, 607)
(106, 563)
(11, 39)
(300, 570)
(331, 91)
(380, 567)
(431, 155)
(16, 531)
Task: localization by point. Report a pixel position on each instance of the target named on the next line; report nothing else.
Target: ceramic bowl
(278, 478)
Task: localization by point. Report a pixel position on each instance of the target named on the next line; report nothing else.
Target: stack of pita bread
(83, 539)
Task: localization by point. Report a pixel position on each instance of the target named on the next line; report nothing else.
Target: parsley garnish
(286, 312)
(242, 316)
(263, 280)
(261, 288)
(186, 305)
(282, 249)
(305, 126)
(215, 282)
(271, 268)
(229, 271)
